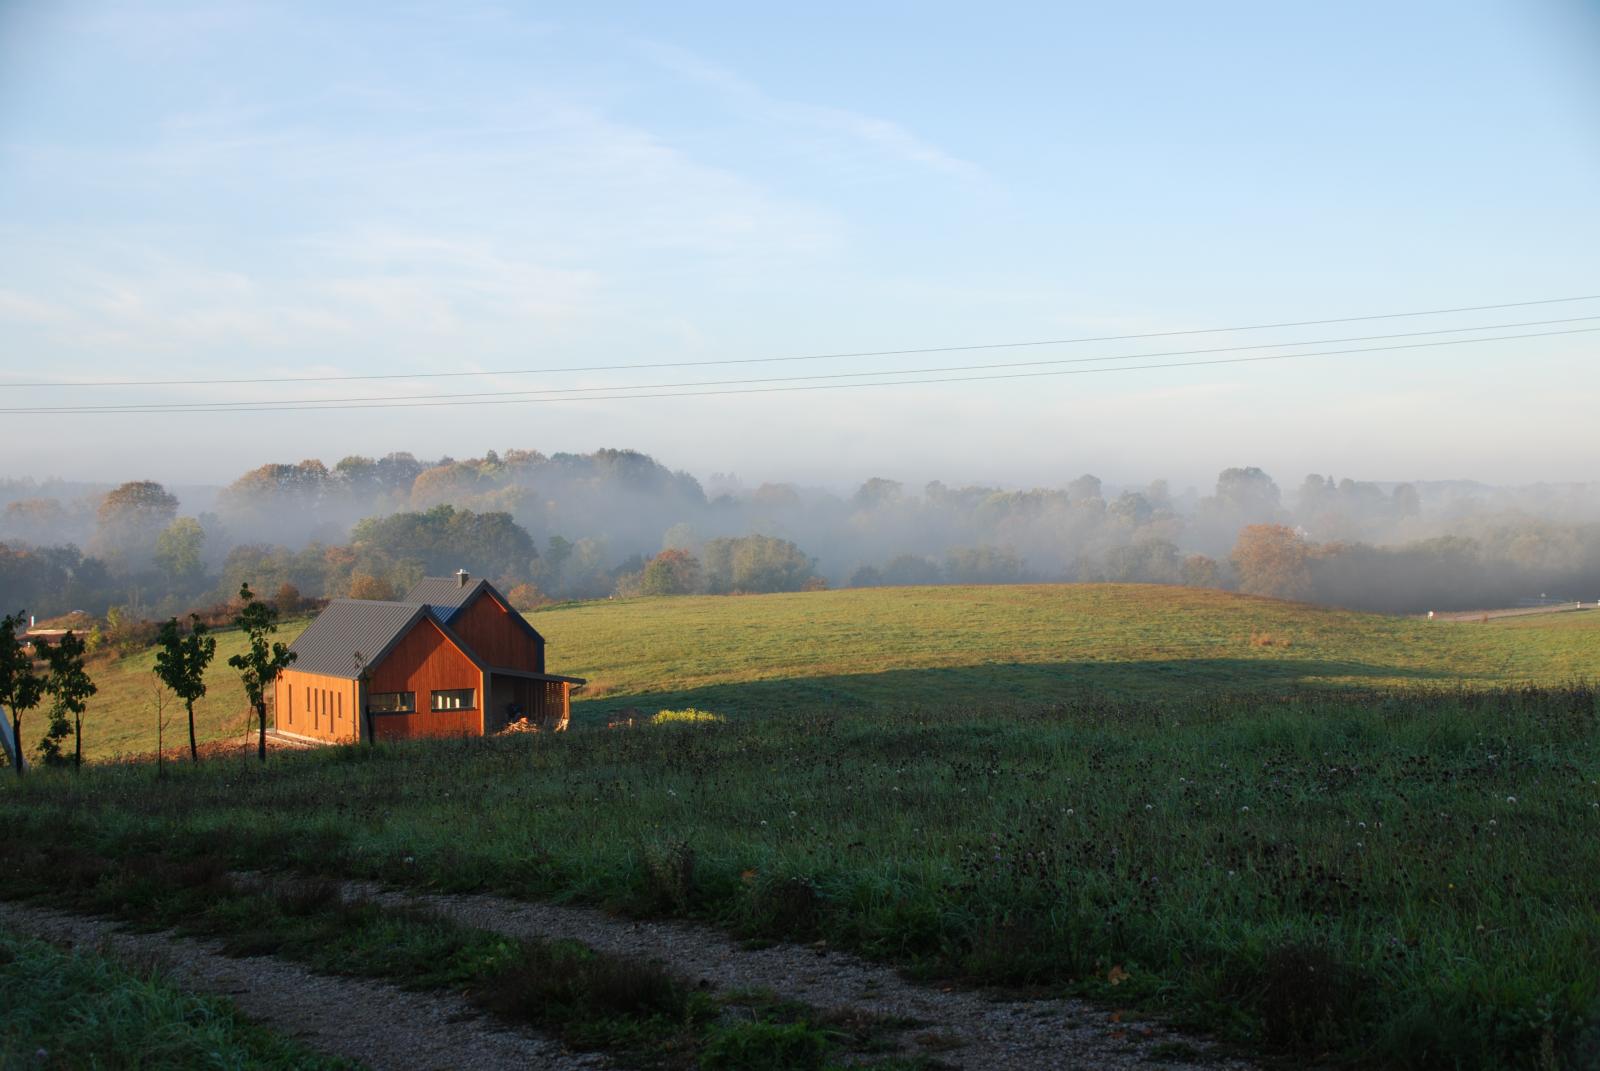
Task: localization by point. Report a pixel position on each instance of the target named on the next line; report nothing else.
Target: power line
(813, 386)
(324, 403)
(801, 357)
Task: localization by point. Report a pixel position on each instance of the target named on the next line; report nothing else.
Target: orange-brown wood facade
(425, 661)
(323, 708)
(495, 634)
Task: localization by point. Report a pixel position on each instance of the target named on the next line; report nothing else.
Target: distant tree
(1248, 493)
(755, 563)
(20, 687)
(260, 666)
(1132, 508)
(178, 551)
(1272, 559)
(1084, 487)
(443, 537)
(1153, 561)
(37, 520)
(867, 576)
(680, 536)
(875, 493)
(672, 572)
(139, 504)
(130, 517)
(908, 570)
(525, 597)
(1200, 571)
(556, 552)
(68, 686)
(367, 586)
(982, 565)
(181, 661)
(287, 599)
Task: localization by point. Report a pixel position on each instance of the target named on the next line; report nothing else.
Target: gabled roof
(446, 593)
(368, 628)
(447, 596)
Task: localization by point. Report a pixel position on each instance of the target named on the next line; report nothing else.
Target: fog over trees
(619, 522)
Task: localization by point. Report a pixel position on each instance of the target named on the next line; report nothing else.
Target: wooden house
(452, 658)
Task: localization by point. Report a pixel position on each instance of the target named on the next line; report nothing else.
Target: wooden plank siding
(496, 633)
(425, 661)
(322, 708)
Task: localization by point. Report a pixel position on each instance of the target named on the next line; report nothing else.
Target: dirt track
(376, 1024)
(385, 1027)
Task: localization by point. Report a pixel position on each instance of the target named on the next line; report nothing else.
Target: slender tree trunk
(261, 716)
(77, 752)
(16, 735)
(194, 752)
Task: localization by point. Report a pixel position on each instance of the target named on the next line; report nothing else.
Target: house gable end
(497, 633)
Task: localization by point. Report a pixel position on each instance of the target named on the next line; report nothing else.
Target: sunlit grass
(871, 647)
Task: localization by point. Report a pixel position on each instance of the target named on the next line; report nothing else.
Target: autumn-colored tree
(142, 504)
(260, 666)
(367, 586)
(1200, 571)
(68, 685)
(130, 518)
(1272, 559)
(526, 597)
(672, 572)
(181, 661)
(20, 687)
(288, 599)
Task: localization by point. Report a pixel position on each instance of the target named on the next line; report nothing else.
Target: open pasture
(871, 648)
(1394, 878)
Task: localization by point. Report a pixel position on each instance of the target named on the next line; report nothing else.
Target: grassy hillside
(979, 644)
(121, 719)
(943, 645)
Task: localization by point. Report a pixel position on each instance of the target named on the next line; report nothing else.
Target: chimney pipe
(462, 576)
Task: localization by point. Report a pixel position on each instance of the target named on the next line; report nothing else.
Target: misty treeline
(572, 526)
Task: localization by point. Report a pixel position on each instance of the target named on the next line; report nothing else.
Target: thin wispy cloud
(885, 136)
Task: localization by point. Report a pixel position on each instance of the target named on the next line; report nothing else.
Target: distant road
(1517, 611)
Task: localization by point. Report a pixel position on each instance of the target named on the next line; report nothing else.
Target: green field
(1325, 834)
(947, 645)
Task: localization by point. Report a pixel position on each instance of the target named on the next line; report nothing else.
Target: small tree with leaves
(69, 688)
(181, 661)
(260, 665)
(20, 687)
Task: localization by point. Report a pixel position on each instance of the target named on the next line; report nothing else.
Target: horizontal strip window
(455, 699)
(392, 702)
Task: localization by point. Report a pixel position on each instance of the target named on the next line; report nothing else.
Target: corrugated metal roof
(445, 592)
(348, 627)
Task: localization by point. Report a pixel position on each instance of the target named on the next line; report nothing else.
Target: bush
(685, 717)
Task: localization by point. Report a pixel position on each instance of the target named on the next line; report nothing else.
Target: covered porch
(544, 699)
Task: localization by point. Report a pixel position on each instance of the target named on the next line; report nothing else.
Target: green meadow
(1366, 840)
(868, 648)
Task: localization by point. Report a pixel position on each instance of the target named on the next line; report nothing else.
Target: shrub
(685, 717)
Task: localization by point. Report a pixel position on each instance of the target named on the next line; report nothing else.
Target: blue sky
(227, 190)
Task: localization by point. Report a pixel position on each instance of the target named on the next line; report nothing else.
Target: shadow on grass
(1015, 682)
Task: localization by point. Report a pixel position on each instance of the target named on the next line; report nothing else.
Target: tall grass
(71, 1009)
(1399, 878)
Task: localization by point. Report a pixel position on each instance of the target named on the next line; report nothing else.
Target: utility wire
(322, 403)
(821, 386)
(801, 357)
